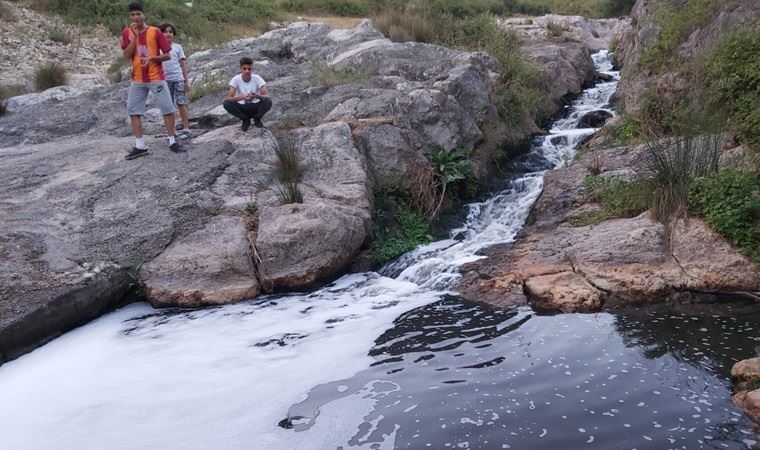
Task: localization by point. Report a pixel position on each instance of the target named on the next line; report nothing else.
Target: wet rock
(747, 370)
(594, 119)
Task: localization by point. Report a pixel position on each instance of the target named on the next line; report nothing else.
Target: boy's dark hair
(135, 6)
(166, 25)
(246, 60)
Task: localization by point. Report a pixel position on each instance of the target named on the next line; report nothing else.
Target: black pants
(248, 111)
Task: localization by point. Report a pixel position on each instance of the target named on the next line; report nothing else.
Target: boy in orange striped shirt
(147, 48)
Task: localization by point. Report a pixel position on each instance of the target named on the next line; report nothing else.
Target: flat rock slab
(210, 266)
(76, 217)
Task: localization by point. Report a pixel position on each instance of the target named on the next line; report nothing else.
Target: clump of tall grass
(288, 173)
(325, 75)
(58, 34)
(402, 26)
(49, 75)
(670, 167)
(554, 29)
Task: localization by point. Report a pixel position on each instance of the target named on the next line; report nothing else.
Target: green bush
(200, 20)
(618, 197)
(49, 75)
(733, 83)
(730, 202)
(251, 207)
(676, 24)
(407, 233)
(554, 29)
(58, 34)
(343, 8)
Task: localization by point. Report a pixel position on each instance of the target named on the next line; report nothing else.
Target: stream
(392, 360)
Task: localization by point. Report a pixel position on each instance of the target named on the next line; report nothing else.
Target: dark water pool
(458, 375)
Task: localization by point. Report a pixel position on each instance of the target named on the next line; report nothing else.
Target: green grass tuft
(50, 75)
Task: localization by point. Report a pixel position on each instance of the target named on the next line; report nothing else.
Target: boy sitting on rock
(247, 97)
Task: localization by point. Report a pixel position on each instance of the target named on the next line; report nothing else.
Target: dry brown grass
(423, 187)
(401, 26)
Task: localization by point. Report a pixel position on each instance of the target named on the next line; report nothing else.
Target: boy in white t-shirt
(175, 73)
(247, 97)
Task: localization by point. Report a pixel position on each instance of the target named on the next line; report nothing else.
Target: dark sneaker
(246, 125)
(257, 123)
(136, 153)
(177, 148)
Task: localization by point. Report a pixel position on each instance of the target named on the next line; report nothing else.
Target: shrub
(676, 24)
(730, 202)
(324, 75)
(49, 75)
(618, 197)
(409, 232)
(672, 164)
(58, 34)
(251, 207)
(342, 8)
(554, 29)
(732, 81)
(400, 26)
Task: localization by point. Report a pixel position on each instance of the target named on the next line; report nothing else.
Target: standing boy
(147, 47)
(175, 72)
(247, 97)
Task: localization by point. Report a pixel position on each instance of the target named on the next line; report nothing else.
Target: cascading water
(374, 361)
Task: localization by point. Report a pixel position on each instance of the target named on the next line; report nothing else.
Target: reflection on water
(457, 375)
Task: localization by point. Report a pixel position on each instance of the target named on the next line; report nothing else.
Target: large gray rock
(77, 218)
(301, 243)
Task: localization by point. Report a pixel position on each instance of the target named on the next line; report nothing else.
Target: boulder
(210, 266)
(594, 119)
(302, 242)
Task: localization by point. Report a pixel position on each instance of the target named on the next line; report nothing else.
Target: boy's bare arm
(183, 66)
(129, 51)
